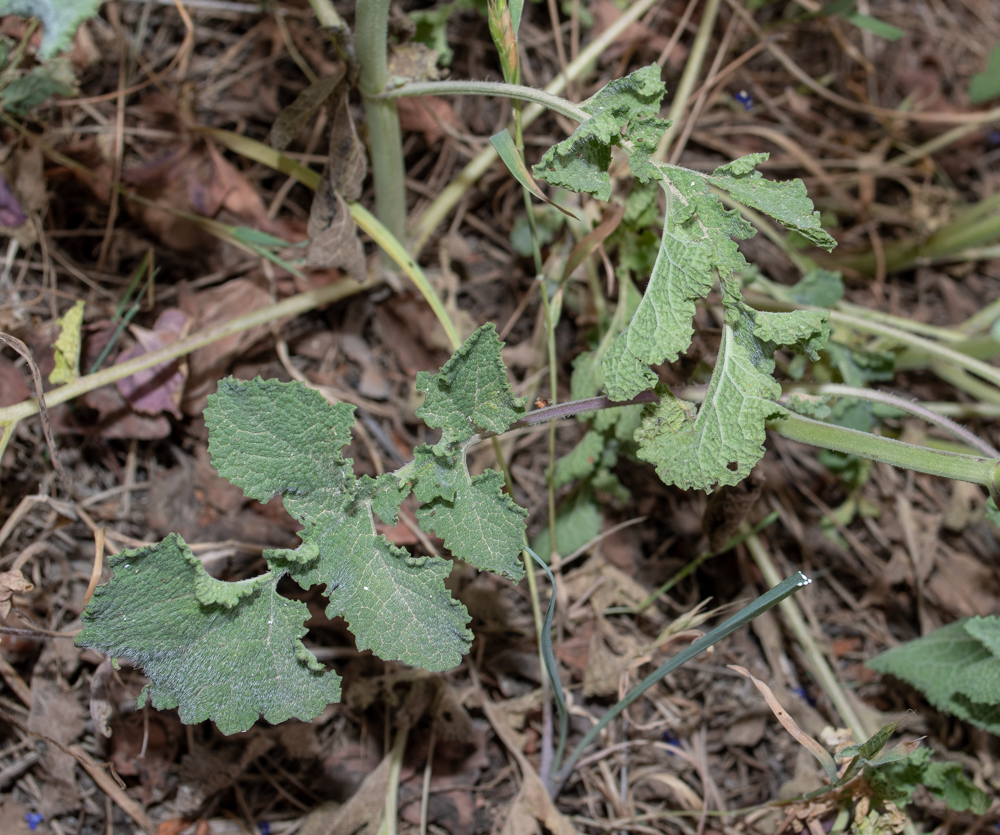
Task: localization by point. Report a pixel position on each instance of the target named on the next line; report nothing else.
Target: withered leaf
(333, 237)
(296, 116)
(347, 165)
(11, 583)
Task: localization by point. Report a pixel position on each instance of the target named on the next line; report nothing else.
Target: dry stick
(692, 68)
(707, 89)
(118, 147)
(36, 377)
(293, 306)
(182, 51)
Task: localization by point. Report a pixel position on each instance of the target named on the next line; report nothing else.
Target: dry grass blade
(789, 724)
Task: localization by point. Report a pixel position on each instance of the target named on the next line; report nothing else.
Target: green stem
(501, 89)
(941, 352)
(973, 468)
(740, 619)
(390, 810)
(384, 139)
(395, 250)
(901, 403)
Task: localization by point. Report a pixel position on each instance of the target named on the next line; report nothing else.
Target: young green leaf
(229, 652)
(272, 438)
(470, 393)
(897, 781)
(622, 111)
(477, 521)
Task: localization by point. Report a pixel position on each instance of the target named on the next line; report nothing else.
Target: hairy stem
(896, 453)
(499, 89)
(384, 139)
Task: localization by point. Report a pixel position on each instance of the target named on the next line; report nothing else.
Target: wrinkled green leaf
(470, 393)
(957, 667)
(478, 522)
(60, 19)
(898, 781)
(719, 443)
(787, 202)
(272, 438)
(623, 110)
(229, 652)
(697, 242)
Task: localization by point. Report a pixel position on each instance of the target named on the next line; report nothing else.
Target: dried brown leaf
(11, 583)
(307, 104)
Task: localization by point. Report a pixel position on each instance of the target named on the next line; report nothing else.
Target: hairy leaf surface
(957, 667)
(229, 652)
(60, 19)
(470, 393)
(271, 438)
(719, 443)
(477, 521)
(697, 243)
(624, 109)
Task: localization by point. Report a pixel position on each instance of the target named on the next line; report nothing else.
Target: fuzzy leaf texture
(697, 243)
(477, 521)
(60, 19)
(229, 652)
(625, 108)
(719, 443)
(957, 667)
(272, 438)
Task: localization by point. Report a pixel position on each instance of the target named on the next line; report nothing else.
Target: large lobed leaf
(957, 667)
(232, 651)
(272, 438)
(229, 652)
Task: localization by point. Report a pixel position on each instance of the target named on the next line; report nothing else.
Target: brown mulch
(895, 554)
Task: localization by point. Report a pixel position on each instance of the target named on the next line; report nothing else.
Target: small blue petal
(744, 98)
(33, 819)
(264, 828)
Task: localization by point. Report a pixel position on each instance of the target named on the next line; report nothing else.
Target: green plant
(233, 651)
(957, 667)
